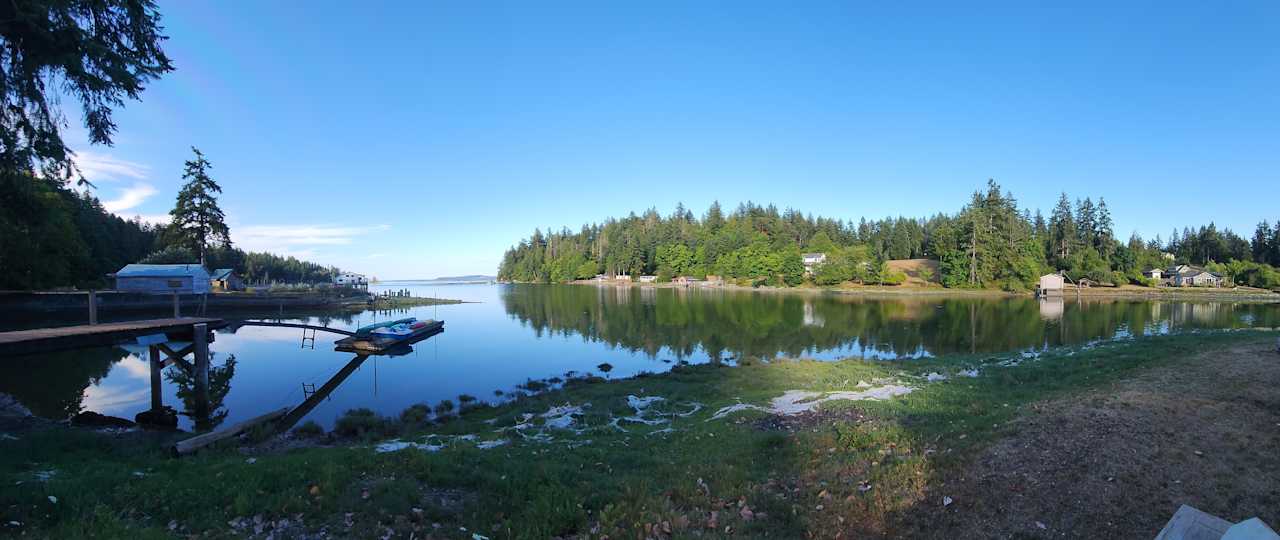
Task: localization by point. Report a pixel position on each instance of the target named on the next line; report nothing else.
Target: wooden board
(75, 337)
(188, 446)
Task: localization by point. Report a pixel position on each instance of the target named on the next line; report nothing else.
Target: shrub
(416, 414)
(309, 429)
(444, 408)
(361, 423)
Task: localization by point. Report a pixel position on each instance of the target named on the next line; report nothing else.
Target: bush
(309, 429)
(893, 277)
(416, 414)
(444, 408)
(361, 423)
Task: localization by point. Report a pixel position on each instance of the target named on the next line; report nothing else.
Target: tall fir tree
(196, 221)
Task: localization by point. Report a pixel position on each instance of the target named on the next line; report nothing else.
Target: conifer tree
(196, 221)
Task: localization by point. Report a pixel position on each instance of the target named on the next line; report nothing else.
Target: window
(175, 284)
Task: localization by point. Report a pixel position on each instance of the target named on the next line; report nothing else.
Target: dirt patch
(817, 418)
(1117, 462)
(920, 272)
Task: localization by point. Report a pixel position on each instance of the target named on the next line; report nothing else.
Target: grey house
(163, 279)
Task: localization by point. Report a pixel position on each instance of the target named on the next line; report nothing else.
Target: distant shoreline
(1183, 293)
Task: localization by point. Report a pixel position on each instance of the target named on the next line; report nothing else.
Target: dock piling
(157, 399)
(200, 343)
(93, 307)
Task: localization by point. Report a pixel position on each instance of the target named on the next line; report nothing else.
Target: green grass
(621, 482)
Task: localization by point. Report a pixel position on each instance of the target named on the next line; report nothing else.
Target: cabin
(1153, 273)
(1185, 275)
(1085, 283)
(1050, 285)
(647, 279)
(812, 260)
(225, 279)
(163, 279)
(686, 281)
(350, 279)
(622, 277)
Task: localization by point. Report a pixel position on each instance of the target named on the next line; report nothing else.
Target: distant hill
(473, 277)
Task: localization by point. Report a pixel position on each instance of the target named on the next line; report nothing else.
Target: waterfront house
(1185, 275)
(225, 279)
(812, 260)
(622, 277)
(686, 281)
(1050, 285)
(647, 279)
(350, 279)
(163, 278)
(1154, 273)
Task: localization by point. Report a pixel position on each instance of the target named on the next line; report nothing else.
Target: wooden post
(310, 403)
(93, 307)
(200, 342)
(157, 398)
(176, 312)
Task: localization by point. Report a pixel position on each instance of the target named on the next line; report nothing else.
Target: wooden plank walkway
(75, 337)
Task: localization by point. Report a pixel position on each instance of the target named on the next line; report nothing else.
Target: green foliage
(95, 52)
(361, 424)
(196, 222)
(52, 236)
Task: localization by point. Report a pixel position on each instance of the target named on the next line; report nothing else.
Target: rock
(93, 419)
(165, 418)
(746, 513)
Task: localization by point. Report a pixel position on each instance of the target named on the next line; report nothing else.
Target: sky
(422, 139)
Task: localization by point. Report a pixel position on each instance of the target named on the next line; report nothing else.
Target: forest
(991, 242)
(53, 236)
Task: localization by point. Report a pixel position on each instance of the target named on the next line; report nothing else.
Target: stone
(93, 419)
(164, 418)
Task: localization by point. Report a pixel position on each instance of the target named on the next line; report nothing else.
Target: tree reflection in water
(718, 322)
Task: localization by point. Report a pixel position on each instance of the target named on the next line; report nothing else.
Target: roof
(221, 273)
(812, 255)
(162, 270)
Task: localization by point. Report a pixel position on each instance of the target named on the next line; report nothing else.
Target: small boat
(366, 330)
(384, 337)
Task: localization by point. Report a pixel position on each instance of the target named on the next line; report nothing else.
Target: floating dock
(381, 344)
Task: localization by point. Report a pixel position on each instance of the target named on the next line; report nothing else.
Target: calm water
(511, 333)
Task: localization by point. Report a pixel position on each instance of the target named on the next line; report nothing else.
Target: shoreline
(702, 446)
(1133, 292)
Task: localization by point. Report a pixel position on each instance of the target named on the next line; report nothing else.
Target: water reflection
(520, 332)
(690, 322)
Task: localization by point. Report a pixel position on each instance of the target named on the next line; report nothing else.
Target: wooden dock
(64, 338)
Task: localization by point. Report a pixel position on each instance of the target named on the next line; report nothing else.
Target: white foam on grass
(794, 402)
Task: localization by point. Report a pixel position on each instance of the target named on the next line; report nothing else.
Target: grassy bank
(585, 460)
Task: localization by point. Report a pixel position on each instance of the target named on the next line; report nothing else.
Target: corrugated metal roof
(162, 270)
(221, 273)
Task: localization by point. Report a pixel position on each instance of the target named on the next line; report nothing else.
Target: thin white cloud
(105, 168)
(289, 239)
(151, 219)
(129, 197)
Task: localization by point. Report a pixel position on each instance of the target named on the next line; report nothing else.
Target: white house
(647, 279)
(812, 260)
(1050, 285)
(163, 278)
(350, 279)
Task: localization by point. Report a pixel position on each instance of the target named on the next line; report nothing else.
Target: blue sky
(424, 138)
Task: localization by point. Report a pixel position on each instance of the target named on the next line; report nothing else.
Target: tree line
(991, 242)
(53, 236)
